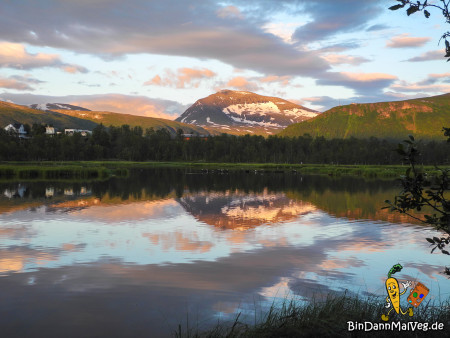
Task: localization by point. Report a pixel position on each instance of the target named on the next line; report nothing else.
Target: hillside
(13, 113)
(116, 119)
(422, 117)
(242, 112)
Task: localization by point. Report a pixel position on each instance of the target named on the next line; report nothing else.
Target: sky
(156, 58)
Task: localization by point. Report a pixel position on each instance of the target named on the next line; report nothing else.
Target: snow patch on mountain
(262, 108)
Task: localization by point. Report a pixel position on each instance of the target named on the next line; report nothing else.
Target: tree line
(135, 144)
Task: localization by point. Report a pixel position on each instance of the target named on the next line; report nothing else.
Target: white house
(17, 129)
(49, 130)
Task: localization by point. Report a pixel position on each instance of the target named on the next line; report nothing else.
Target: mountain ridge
(237, 112)
(422, 117)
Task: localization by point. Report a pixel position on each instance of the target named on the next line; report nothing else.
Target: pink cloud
(440, 76)
(229, 12)
(339, 59)
(11, 83)
(429, 56)
(14, 55)
(240, 82)
(283, 80)
(405, 41)
(135, 105)
(183, 78)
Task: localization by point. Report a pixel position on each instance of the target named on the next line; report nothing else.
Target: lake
(137, 256)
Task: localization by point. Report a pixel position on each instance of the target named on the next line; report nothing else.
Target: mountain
(116, 119)
(14, 113)
(241, 112)
(56, 106)
(424, 118)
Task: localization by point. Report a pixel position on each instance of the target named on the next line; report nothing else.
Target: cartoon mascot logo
(393, 290)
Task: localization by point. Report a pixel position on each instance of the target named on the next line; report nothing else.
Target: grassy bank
(101, 168)
(328, 318)
(57, 171)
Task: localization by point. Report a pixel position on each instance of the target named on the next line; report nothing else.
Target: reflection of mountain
(235, 210)
(364, 204)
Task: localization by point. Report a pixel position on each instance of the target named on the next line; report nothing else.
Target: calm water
(133, 257)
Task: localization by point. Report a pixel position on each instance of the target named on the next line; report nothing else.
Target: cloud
(321, 102)
(281, 80)
(182, 28)
(229, 12)
(126, 104)
(440, 76)
(429, 56)
(14, 83)
(183, 78)
(377, 27)
(339, 59)
(330, 18)
(362, 83)
(340, 47)
(432, 84)
(437, 88)
(241, 83)
(14, 55)
(72, 69)
(405, 41)
(27, 79)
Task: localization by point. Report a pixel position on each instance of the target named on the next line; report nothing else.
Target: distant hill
(242, 112)
(14, 113)
(116, 119)
(56, 106)
(424, 118)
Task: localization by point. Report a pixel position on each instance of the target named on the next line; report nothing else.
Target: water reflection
(238, 210)
(133, 253)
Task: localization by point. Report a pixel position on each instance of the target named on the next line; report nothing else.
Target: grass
(121, 167)
(54, 171)
(326, 318)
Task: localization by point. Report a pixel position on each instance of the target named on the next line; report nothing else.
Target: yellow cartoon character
(394, 294)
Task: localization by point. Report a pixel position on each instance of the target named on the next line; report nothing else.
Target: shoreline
(104, 169)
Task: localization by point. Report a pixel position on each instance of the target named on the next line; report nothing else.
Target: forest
(135, 144)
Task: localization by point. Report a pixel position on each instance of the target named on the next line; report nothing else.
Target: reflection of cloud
(128, 212)
(15, 259)
(14, 263)
(179, 242)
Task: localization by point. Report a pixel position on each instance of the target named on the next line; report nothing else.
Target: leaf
(433, 249)
(412, 10)
(411, 137)
(394, 8)
(427, 14)
(445, 252)
(430, 240)
(436, 240)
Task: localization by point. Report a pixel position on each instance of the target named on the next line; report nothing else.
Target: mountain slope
(116, 119)
(56, 106)
(240, 112)
(13, 113)
(423, 118)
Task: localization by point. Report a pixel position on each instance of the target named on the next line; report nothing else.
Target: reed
(327, 317)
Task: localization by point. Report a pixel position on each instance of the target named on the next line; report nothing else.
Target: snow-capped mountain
(244, 112)
(56, 106)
